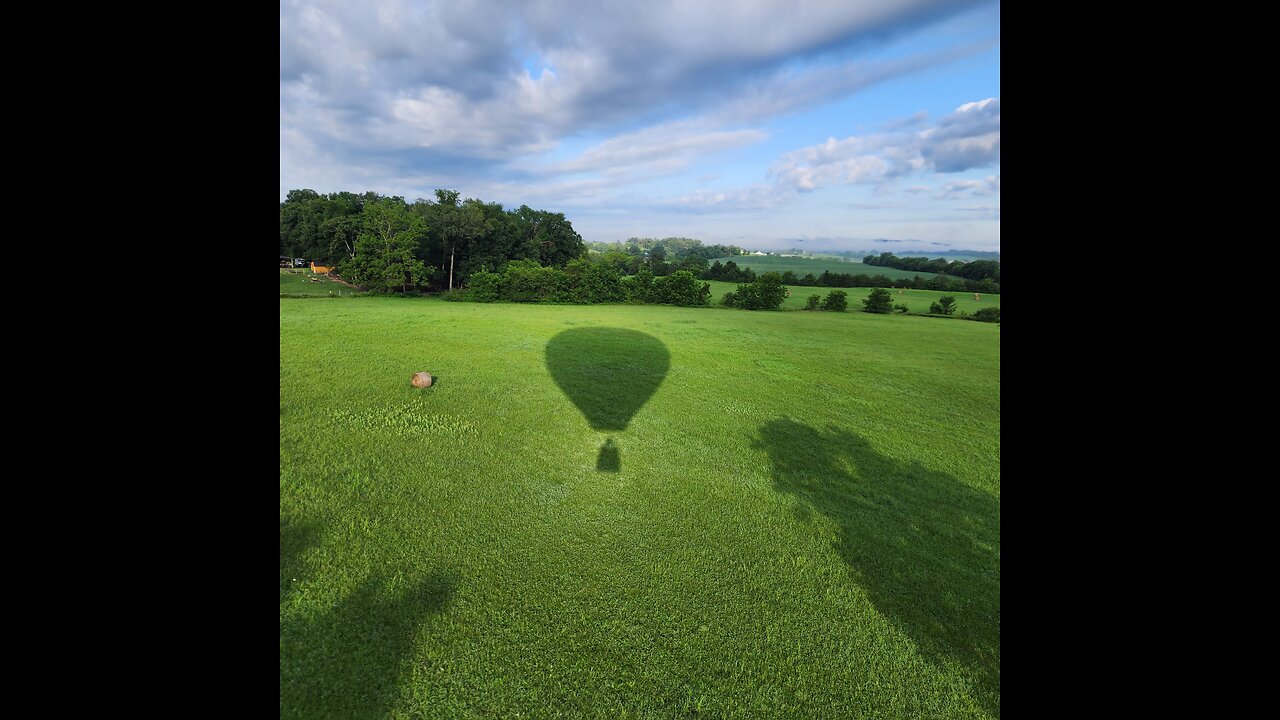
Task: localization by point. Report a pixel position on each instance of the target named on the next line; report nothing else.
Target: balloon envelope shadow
(609, 374)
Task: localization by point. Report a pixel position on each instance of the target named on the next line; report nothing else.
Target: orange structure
(320, 269)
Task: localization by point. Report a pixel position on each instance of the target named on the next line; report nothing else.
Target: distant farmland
(915, 300)
(803, 266)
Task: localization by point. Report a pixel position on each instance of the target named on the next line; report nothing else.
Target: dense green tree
(681, 288)
(836, 301)
(878, 301)
(812, 302)
(639, 287)
(384, 258)
(594, 282)
(764, 293)
(657, 261)
(946, 305)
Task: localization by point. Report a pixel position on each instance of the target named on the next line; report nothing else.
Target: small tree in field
(836, 301)
(900, 307)
(878, 301)
(946, 305)
(812, 302)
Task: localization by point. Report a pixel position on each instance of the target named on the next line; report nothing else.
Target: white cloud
(400, 75)
(969, 137)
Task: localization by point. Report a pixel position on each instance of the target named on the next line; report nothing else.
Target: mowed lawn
(636, 511)
(915, 300)
(309, 283)
(802, 266)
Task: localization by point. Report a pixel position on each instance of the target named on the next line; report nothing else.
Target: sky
(811, 124)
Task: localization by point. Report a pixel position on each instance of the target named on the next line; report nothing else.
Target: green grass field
(636, 511)
(301, 283)
(915, 300)
(802, 266)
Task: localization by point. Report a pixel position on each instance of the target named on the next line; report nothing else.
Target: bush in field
(766, 292)
(681, 288)
(987, 314)
(836, 301)
(729, 299)
(946, 305)
(485, 287)
(900, 307)
(639, 287)
(527, 281)
(812, 302)
(878, 301)
(589, 282)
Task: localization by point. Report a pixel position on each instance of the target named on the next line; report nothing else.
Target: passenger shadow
(924, 546)
(346, 662)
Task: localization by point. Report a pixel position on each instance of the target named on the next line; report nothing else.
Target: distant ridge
(859, 254)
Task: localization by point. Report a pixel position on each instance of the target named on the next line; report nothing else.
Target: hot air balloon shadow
(609, 374)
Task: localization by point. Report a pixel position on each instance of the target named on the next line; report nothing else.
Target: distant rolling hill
(803, 266)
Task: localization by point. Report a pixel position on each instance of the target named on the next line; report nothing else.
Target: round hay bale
(421, 380)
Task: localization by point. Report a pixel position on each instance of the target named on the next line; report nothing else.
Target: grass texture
(636, 512)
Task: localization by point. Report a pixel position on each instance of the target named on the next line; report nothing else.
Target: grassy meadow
(637, 512)
(802, 266)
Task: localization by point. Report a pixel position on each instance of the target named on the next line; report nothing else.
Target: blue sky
(816, 124)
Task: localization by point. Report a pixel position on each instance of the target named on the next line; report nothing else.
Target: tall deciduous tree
(386, 249)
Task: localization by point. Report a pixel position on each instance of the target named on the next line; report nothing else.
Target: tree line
(975, 270)
(673, 249)
(730, 272)
(388, 244)
(582, 281)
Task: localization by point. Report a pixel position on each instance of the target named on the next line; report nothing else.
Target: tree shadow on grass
(346, 661)
(924, 546)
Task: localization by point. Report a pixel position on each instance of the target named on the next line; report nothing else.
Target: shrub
(527, 281)
(836, 301)
(639, 287)
(812, 302)
(729, 299)
(946, 305)
(594, 283)
(485, 287)
(878, 301)
(987, 314)
(681, 288)
(766, 292)
(900, 307)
